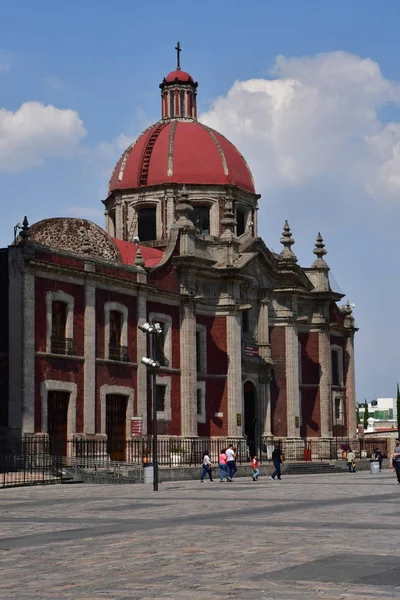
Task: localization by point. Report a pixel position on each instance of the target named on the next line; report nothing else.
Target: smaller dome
(180, 76)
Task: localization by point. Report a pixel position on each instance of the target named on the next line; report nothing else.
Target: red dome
(179, 75)
(173, 151)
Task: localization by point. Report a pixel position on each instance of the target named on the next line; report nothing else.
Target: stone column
(292, 380)
(325, 387)
(169, 199)
(141, 382)
(188, 369)
(89, 369)
(265, 400)
(28, 362)
(350, 386)
(234, 377)
(119, 221)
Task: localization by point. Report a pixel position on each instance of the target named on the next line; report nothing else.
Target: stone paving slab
(332, 536)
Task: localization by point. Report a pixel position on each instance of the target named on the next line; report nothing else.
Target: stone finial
(25, 232)
(287, 242)
(319, 252)
(139, 260)
(348, 309)
(183, 209)
(228, 220)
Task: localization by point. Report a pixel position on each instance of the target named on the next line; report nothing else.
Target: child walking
(254, 466)
(206, 468)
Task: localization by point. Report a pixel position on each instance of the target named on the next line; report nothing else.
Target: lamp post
(152, 330)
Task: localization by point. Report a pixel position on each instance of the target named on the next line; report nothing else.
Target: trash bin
(148, 473)
(374, 467)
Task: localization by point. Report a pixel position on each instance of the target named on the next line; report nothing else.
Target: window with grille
(59, 319)
(335, 366)
(115, 327)
(160, 398)
(337, 408)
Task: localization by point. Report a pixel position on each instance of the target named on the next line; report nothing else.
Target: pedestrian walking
(231, 461)
(223, 467)
(206, 467)
(277, 461)
(379, 457)
(351, 461)
(396, 459)
(254, 466)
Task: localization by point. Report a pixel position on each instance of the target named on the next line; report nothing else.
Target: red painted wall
(278, 385)
(310, 374)
(62, 369)
(165, 278)
(216, 389)
(42, 286)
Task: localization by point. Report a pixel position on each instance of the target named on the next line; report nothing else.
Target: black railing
(62, 346)
(27, 461)
(118, 353)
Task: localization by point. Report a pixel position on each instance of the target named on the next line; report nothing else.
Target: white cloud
(316, 117)
(36, 132)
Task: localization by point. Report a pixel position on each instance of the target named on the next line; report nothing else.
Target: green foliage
(366, 414)
(358, 415)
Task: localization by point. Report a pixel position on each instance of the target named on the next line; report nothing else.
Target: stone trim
(69, 300)
(53, 385)
(108, 307)
(202, 417)
(166, 414)
(108, 390)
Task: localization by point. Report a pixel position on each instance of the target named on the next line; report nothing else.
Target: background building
(253, 344)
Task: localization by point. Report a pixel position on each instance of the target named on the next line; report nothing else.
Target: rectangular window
(160, 398)
(159, 345)
(335, 368)
(199, 402)
(338, 414)
(240, 222)
(115, 327)
(198, 351)
(59, 319)
(245, 321)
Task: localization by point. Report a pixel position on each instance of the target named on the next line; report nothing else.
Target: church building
(253, 345)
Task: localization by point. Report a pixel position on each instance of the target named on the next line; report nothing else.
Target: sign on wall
(136, 426)
(251, 351)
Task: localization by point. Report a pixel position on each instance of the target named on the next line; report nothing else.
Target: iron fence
(27, 461)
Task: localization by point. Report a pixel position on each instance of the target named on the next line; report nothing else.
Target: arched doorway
(251, 425)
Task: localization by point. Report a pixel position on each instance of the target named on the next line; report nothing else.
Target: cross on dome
(178, 56)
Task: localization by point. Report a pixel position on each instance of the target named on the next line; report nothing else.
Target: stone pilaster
(119, 221)
(265, 400)
(234, 378)
(350, 386)
(89, 369)
(170, 202)
(141, 385)
(325, 387)
(292, 380)
(188, 369)
(28, 365)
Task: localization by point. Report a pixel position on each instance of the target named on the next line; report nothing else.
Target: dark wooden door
(116, 406)
(57, 422)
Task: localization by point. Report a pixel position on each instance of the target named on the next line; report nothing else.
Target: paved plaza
(329, 537)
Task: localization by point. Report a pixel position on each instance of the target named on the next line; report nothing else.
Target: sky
(308, 91)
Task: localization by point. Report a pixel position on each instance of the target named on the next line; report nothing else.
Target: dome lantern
(178, 93)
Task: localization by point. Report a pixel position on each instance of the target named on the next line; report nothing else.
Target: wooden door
(116, 406)
(57, 422)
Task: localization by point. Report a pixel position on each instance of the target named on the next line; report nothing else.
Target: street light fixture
(153, 329)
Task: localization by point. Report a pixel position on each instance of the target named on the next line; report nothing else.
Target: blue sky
(320, 128)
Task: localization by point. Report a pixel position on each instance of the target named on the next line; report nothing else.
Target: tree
(366, 414)
(398, 410)
(358, 414)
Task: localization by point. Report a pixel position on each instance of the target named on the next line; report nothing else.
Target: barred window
(59, 319)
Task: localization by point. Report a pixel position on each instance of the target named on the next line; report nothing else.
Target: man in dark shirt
(396, 459)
